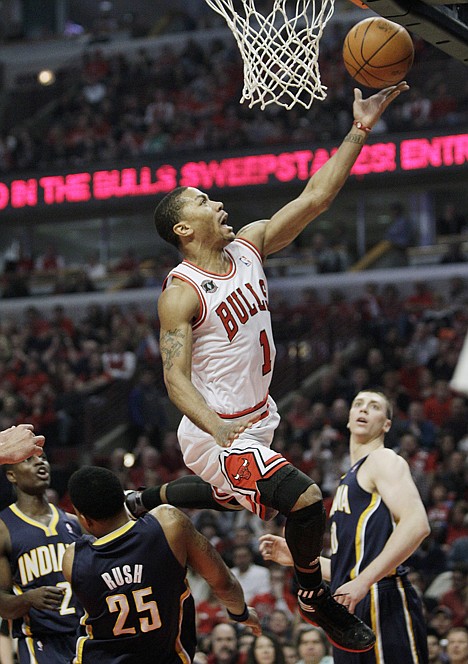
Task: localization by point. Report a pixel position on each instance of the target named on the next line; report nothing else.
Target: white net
(280, 49)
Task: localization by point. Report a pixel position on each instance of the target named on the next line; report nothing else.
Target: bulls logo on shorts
(243, 471)
(245, 468)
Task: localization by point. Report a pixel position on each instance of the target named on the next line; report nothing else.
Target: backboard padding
(443, 25)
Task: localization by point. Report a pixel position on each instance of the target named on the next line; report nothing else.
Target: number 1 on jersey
(265, 344)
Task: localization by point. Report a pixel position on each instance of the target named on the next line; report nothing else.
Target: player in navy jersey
(131, 577)
(377, 521)
(218, 356)
(34, 594)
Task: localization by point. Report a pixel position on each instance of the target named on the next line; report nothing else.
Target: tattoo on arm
(171, 345)
(201, 542)
(355, 138)
(180, 518)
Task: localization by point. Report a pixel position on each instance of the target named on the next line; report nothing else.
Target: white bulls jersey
(232, 363)
(233, 350)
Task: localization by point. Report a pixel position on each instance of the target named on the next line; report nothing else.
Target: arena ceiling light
(46, 77)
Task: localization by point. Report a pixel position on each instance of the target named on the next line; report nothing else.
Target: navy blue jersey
(361, 525)
(138, 605)
(36, 560)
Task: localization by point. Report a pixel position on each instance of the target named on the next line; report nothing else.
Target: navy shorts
(393, 609)
(53, 649)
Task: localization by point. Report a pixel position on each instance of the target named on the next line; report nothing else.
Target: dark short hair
(96, 492)
(167, 215)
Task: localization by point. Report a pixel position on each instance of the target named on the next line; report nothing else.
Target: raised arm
(15, 606)
(178, 307)
(388, 474)
(191, 548)
(285, 225)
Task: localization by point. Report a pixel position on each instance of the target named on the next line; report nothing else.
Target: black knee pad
(282, 489)
(304, 532)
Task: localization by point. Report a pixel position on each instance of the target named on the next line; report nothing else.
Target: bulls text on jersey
(240, 305)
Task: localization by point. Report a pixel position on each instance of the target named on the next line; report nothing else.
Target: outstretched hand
(369, 110)
(253, 622)
(272, 547)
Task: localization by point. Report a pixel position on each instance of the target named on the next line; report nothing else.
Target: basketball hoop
(280, 50)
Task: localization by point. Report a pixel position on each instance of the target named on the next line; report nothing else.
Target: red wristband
(359, 125)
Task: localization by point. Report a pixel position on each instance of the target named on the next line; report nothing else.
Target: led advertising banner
(417, 155)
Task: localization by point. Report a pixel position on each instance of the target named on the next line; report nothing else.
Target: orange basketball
(378, 52)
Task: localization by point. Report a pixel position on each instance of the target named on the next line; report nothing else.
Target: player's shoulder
(178, 293)
(3, 525)
(386, 460)
(70, 517)
(169, 516)
(176, 285)
(5, 539)
(254, 233)
(176, 526)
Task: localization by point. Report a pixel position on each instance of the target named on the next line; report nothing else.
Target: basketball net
(280, 51)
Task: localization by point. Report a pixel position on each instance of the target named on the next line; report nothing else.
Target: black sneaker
(134, 504)
(345, 630)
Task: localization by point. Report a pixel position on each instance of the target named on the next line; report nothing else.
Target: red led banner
(415, 154)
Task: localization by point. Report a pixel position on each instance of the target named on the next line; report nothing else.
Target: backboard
(443, 24)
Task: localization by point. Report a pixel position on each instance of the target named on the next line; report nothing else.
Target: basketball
(377, 52)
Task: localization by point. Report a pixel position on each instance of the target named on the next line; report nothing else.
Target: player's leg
(287, 490)
(296, 496)
(290, 492)
(394, 610)
(190, 492)
(6, 644)
(53, 648)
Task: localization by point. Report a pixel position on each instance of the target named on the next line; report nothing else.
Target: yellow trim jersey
(36, 560)
(139, 609)
(361, 525)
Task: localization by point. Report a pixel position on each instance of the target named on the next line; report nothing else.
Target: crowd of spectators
(49, 273)
(184, 98)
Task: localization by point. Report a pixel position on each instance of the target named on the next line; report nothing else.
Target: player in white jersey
(226, 367)
(218, 353)
(229, 368)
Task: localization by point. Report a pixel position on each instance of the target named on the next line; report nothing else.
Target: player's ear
(182, 229)
(10, 475)
(84, 521)
(387, 425)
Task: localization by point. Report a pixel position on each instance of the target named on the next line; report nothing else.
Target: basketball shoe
(343, 629)
(133, 502)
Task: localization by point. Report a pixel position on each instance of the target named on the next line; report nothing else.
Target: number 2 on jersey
(265, 344)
